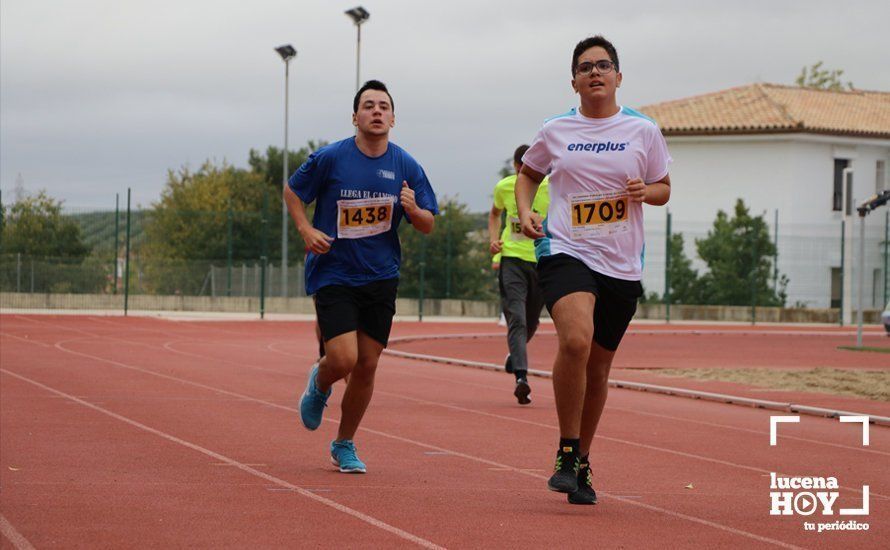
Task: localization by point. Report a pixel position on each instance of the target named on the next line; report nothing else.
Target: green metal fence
(156, 254)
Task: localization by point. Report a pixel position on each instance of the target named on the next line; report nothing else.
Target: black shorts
(616, 299)
(368, 308)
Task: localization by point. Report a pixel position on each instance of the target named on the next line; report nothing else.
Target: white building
(783, 150)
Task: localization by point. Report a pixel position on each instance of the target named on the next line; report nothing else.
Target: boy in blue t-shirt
(362, 187)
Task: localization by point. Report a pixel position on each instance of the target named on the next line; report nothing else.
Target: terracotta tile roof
(773, 108)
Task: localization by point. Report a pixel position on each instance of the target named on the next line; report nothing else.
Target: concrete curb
(653, 388)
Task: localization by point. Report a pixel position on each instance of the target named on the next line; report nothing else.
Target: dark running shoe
(585, 493)
(522, 391)
(508, 364)
(565, 472)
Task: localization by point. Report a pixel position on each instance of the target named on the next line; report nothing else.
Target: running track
(143, 432)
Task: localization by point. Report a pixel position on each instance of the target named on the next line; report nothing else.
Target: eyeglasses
(602, 66)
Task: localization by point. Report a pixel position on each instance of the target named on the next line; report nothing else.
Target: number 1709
(607, 211)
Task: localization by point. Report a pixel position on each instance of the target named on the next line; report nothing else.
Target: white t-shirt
(589, 161)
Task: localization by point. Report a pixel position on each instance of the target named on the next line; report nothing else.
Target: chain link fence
(155, 255)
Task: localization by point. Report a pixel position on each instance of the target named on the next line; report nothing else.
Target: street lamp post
(287, 52)
(358, 15)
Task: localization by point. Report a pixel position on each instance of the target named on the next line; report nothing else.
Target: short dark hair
(517, 155)
(372, 85)
(593, 42)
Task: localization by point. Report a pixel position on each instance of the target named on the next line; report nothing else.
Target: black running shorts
(368, 308)
(616, 299)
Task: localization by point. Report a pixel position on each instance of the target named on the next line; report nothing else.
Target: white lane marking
(454, 407)
(447, 379)
(474, 458)
(241, 466)
(16, 538)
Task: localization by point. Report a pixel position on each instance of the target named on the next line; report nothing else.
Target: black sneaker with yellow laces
(565, 472)
(585, 493)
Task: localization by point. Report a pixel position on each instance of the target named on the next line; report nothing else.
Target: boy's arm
(316, 241)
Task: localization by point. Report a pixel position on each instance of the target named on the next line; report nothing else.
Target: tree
(457, 263)
(35, 226)
(684, 279)
(189, 227)
(817, 78)
(191, 218)
(270, 166)
(39, 239)
(738, 253)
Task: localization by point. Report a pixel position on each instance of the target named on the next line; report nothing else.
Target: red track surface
(142, 432)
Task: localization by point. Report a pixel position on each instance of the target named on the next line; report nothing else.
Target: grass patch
(865, 348)
(869, 384)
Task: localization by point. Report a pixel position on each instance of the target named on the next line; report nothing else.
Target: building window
(837, 200)
(880, 177)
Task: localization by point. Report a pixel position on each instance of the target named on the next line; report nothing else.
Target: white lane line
(241, 466)
(521, 471)
(606, 438)
(10, 335)
(16, 538)
(650, 507)
(658, 389)
(751, 430)
(647, 332)
(272, 347)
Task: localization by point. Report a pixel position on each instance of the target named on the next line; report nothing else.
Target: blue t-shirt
(357, 203)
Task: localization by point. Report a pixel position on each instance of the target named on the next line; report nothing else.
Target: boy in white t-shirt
(604, 161)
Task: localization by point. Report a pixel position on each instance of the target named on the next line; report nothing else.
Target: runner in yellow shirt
(521, 297)
(496, 267)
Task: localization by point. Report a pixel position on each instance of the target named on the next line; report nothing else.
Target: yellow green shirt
(516, 244)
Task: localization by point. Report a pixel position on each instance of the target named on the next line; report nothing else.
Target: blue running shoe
(343, 456)
(313, 402)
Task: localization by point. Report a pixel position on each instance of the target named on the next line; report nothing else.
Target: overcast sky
(97, 96)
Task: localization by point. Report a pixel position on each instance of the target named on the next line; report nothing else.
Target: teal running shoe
(343, 456)
(313, 402)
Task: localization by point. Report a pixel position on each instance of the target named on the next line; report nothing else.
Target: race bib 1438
(358, 218)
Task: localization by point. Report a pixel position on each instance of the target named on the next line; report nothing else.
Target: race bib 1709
(358, 218)
(599, 214)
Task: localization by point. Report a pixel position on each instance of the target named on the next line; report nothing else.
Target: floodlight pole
(284, 216)
(358, 15)
(287, 52)
(358, 55)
